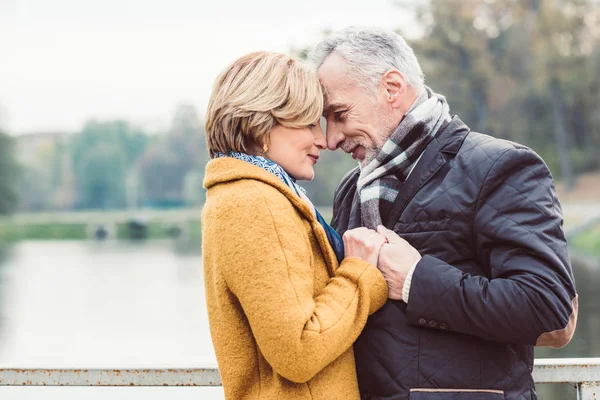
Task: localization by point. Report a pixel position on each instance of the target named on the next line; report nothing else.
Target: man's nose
(334, 136)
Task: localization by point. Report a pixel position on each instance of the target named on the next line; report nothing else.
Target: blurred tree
(34, 189)
(193, 189)
(186, 135)
(165, 166)
(9, 175)
(101, 174)
(162, 176)
(39, 157)
(517, 69)
(102, 155)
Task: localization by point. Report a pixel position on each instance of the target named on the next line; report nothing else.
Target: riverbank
(587, 241)
(12, 231)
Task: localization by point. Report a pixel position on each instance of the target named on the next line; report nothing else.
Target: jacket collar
(442, 148)
(451, 139)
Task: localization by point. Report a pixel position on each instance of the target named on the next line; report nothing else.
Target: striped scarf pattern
(380, 180)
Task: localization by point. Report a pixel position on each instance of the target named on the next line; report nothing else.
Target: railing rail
(584, 373)
(109, 377)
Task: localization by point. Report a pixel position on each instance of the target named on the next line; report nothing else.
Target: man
(477, 260)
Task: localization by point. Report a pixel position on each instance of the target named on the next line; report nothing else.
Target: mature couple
(444, 265)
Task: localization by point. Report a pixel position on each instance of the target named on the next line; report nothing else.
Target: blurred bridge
(117, 216)
(575, 215)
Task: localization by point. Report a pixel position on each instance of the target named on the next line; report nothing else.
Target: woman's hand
(363, 243)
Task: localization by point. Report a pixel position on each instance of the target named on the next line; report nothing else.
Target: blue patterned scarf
(332, 236)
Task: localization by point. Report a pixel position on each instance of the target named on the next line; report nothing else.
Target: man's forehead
(333, 73)
(334, 79)
(335, 100)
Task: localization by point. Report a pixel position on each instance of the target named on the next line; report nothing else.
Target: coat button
(422, 321)
(443, 326)
(432, 323)
(365, 396)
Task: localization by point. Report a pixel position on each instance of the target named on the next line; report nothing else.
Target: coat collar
(227, 169)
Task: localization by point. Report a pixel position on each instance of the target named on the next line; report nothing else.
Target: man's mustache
(347, 147)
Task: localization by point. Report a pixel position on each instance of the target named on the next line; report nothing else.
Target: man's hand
(396, 257)
(363, 243)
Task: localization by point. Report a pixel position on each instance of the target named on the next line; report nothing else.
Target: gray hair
(369, 53)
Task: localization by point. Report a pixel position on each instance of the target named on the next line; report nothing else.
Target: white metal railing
(109, 377)
(584, 373)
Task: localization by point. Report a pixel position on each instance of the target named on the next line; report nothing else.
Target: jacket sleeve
(528, 295)
(267, 264)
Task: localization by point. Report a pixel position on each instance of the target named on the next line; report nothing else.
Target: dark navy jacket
(494, 280)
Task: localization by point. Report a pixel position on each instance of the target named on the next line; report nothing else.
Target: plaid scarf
(380, 181)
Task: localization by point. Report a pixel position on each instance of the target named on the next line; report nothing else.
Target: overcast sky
(65, 61)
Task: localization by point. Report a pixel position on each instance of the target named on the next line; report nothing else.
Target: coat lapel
(430, 163)
(447, 142)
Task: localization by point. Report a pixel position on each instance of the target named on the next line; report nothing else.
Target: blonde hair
(254, 94)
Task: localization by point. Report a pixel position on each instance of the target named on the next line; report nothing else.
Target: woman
(285, 304)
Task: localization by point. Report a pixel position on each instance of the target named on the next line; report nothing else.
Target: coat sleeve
(528, 294)
(267, 265)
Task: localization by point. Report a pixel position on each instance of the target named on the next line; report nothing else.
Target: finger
(362, 234)
(371, 239)
(391, 236)
(347, 238)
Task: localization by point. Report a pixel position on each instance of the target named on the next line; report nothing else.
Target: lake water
(103, 304)
(122, 304)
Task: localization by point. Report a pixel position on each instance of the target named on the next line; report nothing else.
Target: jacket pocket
(456, 394)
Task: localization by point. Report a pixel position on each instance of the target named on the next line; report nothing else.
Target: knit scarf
(380, 181)
(332, 236)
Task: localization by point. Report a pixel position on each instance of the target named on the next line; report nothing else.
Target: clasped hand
(383, 248)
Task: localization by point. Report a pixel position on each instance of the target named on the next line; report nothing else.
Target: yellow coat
(283, 316)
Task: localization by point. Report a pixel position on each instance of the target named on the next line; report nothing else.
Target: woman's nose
(320, 140)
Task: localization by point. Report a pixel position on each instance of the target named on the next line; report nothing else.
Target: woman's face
(296, 150)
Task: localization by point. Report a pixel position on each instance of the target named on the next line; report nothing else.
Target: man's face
(358, 121)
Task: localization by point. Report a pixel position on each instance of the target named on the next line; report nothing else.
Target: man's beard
(372, 149)
(371, 154)
(384, 131)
